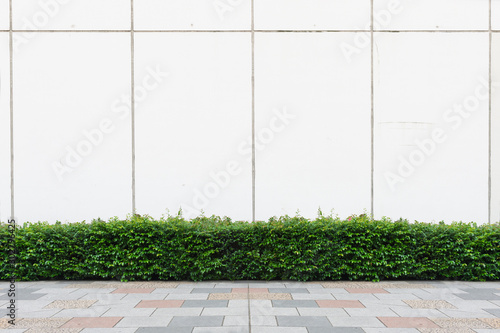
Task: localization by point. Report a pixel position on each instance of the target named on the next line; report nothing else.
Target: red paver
(339, 304)
(92, 322)
(160, 304)
(407, 322)
(251, 290)
(133, 291)
(366, 291)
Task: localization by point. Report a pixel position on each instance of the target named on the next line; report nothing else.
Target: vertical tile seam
(11, 111)
(253, 109)
(490, 36)
(372, 118)
(132, 100)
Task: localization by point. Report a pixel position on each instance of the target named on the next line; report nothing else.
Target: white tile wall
(192, 14)
(321, 156)
(495, 133)
(66, 88)
(190, 128)
(419, 79)
(495, 14)
(431, 14)
(4, 14)
(312, 14)
(70, 14)
(4, 128)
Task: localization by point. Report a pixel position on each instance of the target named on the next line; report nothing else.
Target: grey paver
(263, 329)
(310, 321)
(177, 312)
(205, 304)
(163, 330)
(207, 321)
(221, 330)
(371, 312)
(409, 312)
(90, 312)
(335, 330)
(210, 290)
(495, 312)
(294, 304)
(127, 312)
(289, 290)
(199, 297)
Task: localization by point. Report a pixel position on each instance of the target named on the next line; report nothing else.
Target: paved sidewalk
(254, 306)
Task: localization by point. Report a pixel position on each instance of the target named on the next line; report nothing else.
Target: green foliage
(284, 248)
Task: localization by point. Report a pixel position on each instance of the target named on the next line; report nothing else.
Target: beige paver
(429, 304)
(493, 322)
(71, 304)
(146, 284)
(41, 322)
(460, 322)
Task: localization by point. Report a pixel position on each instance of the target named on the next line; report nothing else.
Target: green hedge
(286, 248)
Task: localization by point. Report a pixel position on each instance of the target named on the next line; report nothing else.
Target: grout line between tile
(132, 100)
(253, 108)
(372, 127)
(11, 106)
(490, 41)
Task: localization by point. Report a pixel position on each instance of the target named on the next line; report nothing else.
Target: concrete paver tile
(334, 312)
(144, 322)
(163, 330)
(310, 321)
(263, 321)
(264, 329)
(159, 304)
(100, 322)
(108, 330)
(409, 312)
(312, 296)
(221, 330)
(41, 322)
(493, 322)
(225, 311)
(339, 304)
(70, 304)
(126, 312)
(370, 312)
(408, 322)
(198, 321)
(362, 322)
(236, 321)
(294, 304)
(204, 304)
(391, 330)
(199, 297)
(289, 290)
(429, 304)
(132, 291)
(211, 290)
(460, 322)
(172, 312)
(90, 312)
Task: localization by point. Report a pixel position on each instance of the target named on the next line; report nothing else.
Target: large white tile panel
(318, 153)
(192, 14)
(4, 128)
(495, 133)
(431, 14)
(312, 14)
(190, 126)
(495, 14)
(431, 126)
(65, 88)
(4, 14)
(70, 14)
